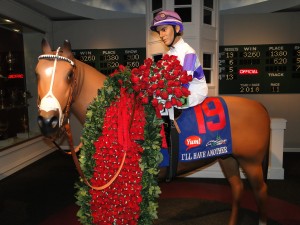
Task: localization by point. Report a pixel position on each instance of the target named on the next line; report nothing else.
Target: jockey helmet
(166, 17)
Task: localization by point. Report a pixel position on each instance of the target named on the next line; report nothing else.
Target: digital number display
(87, 56)
(107, 60)
(259, 69)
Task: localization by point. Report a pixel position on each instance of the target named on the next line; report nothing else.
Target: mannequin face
(166, 34)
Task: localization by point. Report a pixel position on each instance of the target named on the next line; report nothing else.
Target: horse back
(250, 127)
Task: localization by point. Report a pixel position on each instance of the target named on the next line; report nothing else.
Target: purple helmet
(167, 17)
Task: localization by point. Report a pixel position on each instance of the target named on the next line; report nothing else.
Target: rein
(75, 158)
(77, 164)
(64, 122)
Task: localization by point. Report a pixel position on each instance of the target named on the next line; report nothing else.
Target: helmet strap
(174, 36)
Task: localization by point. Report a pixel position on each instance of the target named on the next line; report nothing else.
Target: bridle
(49, 102)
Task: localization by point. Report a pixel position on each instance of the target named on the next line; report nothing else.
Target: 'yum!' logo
(192, 141)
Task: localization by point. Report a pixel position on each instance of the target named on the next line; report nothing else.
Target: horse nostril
(48, 125)
(40, 121)
(54, 122)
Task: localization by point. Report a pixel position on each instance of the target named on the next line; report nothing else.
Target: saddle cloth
(204, 132)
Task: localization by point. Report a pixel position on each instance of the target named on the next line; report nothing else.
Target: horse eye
(70, 76)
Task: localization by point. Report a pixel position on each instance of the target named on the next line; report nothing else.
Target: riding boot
(173, 152)
(174, 146)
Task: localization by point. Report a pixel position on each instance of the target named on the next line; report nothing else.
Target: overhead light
(16, 30)
(8, 21)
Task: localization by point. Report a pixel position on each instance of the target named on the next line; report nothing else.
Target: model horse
(65, 83)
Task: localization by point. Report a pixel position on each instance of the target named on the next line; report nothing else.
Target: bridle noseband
(49, 101)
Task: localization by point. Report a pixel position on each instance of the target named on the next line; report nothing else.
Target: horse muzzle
(48, 123)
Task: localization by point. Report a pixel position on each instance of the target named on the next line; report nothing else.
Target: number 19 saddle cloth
(204, 131)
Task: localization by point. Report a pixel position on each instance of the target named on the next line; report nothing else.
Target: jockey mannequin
(168, 25)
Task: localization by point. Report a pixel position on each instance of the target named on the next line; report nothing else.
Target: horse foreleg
(254, 174)
(231, 171)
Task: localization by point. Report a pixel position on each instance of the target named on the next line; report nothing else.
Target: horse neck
(89, 80)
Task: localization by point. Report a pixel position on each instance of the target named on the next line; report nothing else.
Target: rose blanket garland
(132, 198)
(118, 203)
(108, 135)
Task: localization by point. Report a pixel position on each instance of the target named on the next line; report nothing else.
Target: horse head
(56, 81)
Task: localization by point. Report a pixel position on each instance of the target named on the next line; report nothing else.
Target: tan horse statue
(67, 83)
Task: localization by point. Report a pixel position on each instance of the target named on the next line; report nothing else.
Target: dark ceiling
(58, 10)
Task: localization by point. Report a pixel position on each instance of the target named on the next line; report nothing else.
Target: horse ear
(46, 46)
(67, 49)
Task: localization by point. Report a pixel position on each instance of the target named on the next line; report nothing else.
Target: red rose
(185, 91)
(143, 67)
(178, 66)
(178, 92)
(122, 68)
(169, 90)
(164, 95)
(177, 83)
(169, 68)
(159, 64)
(154, 102)
(147, 73)
(154, 87)
(144, 85)
(179, 103)
(161, 84)
(155, 70)
(136, 88)
(140, 94)
(168, 105)
(167, 76)
(153, 79)
(176, 73)
(114, 73)
(150, 91)
(160, 106)
(158, 92)
(166, 57)
(145, 100)
(170, 83)
(174, 101)
(134, 79)
(173, 58)
(135, 71)
(148, 62)
(184, 79)
(146, 79)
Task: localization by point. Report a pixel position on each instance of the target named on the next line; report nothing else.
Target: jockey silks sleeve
(190, 62)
